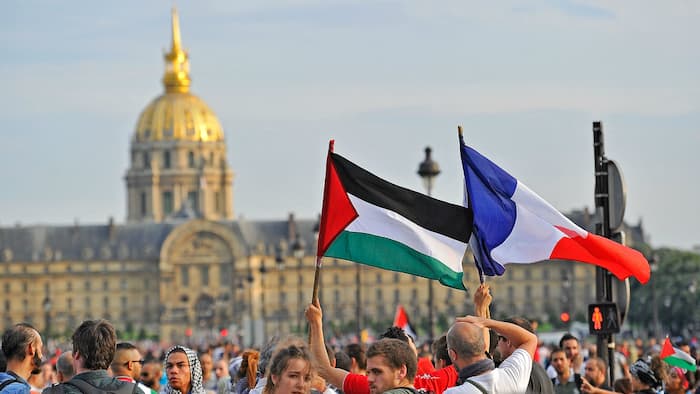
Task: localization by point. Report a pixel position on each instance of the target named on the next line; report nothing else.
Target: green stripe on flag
(391, 255)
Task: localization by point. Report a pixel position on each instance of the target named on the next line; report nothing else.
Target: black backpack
(87, 388)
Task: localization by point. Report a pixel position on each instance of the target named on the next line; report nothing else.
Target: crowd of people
(476, 355)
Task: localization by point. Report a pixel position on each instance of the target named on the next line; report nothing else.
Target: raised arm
(518, 336)
(482, 301)
(334, 376)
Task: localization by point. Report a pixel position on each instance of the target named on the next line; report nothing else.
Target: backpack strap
(87, 388)
(8, 382)
(478, 386)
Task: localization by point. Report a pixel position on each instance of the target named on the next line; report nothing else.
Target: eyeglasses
(135, 361)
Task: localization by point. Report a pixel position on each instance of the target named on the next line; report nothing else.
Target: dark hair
(599, 363)
(16, 339)
(566, 337)
(125, 346)
(355, 350)
(280, 361)
(521, 322)
(266, 354)
(3, 362)
(622, 385)
(395, 333)
(397, 354)
(95, 342)
(64, 365)
(439, 349)
(557, 350)
(342, 361)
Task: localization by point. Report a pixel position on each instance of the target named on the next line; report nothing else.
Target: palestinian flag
(401, 321)
(676, 357)
(368, 220)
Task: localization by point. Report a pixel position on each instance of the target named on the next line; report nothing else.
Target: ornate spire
(177, 66)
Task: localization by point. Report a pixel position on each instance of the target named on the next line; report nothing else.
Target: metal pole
(358, 301)
(606, 343)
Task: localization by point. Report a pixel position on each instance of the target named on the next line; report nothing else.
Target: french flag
(512, 224)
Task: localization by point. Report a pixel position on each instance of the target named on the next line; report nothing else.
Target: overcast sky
(384, 78)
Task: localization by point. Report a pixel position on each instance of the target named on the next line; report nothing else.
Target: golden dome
(177, 115)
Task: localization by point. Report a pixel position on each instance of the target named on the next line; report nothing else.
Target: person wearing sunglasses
(127, 365)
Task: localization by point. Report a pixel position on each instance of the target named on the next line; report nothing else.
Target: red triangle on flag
(401, 318)
(337, 211)
(667, 350)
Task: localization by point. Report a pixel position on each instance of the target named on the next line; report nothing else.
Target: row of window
(87, 285)
(106, 304)
(167, 160)
(168, 202)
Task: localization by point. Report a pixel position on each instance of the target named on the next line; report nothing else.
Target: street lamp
(249, 278)
(47, 316)
(298, 249)
(279, 260)
(654, 266)
(263, 271)
(428, 170)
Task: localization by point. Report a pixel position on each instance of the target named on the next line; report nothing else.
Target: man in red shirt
(359, 384)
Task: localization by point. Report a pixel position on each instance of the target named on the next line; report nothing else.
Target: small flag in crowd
(676, 357)
(512, 224)
(368, 220)
(401, 321)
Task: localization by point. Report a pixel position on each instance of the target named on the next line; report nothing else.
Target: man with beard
(22, 346)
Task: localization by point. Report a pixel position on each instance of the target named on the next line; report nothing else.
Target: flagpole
(482, 277)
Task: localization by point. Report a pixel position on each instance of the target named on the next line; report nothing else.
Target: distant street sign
(603, 318)
(617, 195)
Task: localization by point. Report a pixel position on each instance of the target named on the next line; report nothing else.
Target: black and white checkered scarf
(195, 371)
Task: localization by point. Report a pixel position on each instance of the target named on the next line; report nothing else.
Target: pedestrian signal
(565, 317)
(603, 318)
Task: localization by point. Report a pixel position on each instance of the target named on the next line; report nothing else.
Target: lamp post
(279, 260)
(47, 316)
(654, 266)
(298, 249)
(263, 271)
(428, 170)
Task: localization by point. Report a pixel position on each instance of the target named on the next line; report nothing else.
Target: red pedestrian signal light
(223, 332)
(188, 332)
(603, 318)
(565, 317)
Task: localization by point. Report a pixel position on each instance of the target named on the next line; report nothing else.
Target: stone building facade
(181, 265)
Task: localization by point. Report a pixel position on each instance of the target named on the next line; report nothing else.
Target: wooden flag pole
(317, 280)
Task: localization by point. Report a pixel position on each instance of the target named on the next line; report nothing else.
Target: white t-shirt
(512, 376)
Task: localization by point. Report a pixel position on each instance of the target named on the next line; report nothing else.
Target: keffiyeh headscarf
(195, 371)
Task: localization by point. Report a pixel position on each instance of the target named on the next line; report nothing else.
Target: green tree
(675, 286)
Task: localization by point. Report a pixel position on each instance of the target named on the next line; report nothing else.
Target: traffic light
(564, 317)
(223, 332)
(603, 318)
